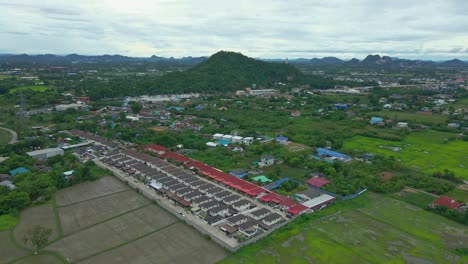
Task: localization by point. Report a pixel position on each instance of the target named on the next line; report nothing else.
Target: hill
(229, 71)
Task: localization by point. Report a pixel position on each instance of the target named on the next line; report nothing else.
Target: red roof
(273, 197)
(446, 201)
(288, 203)
(175, 156)
(154, 148)
(184, 202)
(317, 182)
(296, 209)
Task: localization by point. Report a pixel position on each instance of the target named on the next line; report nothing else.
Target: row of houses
(211, 203)
(233, 139)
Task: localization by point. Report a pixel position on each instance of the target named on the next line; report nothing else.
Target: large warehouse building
(44, 154)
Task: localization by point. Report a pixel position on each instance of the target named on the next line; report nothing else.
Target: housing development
(304, 148)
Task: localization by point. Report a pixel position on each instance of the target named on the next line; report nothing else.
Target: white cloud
(301, 28)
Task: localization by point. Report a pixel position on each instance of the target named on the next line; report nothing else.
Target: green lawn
(4, 137)
(370, 229)
(412, 117)
(5, 76)
(37, 88)
(458, 194)
(419, 199)
(8, 222)
(427, 151)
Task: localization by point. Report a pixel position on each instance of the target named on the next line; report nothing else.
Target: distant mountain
(454, 63)
(327, 61)
(377, 61)
(75, 58)
(229, 71)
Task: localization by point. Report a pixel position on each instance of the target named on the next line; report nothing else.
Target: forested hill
(230, 71)
(222, 72)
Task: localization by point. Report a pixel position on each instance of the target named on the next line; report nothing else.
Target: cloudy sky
(427, 29)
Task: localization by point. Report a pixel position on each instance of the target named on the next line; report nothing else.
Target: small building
(237, 139)
(332, 155)
(266, 160)
(402, 125)
(212, 144)
(272, 219)
(376, 120)
(281, 139)
(18, 170)
(453, 125)
(239, 173)
(297, 209)
(44, 154)
(69, 175)
(261, 178)
(248, 140)
(8, 184)
(241, 205)
(446, 201)
(260, 213)
(319, 202)
(238, 219)
(249, 228)
(218, 136)
(341, 106)
(317, 182)
(155, 149)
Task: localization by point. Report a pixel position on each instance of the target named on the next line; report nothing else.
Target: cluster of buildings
(237, 207)
(227, 139)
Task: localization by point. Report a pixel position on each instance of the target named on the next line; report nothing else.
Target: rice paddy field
(370, 229)
(37, 88)
(428, 151)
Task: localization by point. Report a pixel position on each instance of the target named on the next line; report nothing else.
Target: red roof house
(317, 182)
(446, 201)
(296, 209)
(155, 148)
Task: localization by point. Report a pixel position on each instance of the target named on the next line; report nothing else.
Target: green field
(412, 118)
(5, 76)
(4, 137)
(37, 88)
(459, 195)
(7, 222)
(370, 229)
(427, 151)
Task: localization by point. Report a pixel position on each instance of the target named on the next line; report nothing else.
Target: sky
(413, 29)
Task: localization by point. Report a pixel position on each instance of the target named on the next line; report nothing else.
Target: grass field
(106, 222)
(5, 76)
(4, 137)
(37, 88)
(412, 117)
(8, 222)
(460, 195)
(427, 151)
(370, 229)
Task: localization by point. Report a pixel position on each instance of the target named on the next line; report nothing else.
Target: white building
(218, 136)
(248, 140)
(237, 139)
(227, 137)
(44, 154)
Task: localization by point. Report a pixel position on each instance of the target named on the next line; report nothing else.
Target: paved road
(14, 136)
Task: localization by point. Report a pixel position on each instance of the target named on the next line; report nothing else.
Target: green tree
(136, 107)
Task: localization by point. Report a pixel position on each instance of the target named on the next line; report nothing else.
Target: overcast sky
(426, 29)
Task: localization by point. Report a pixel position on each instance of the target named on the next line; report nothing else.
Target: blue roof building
(18, 171)
(275, 184)
(341, 106)
(281, 139)
(323, 152)
(239, 173)
(376, 120)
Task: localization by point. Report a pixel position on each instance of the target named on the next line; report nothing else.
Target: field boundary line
(106, 220)
(128, 242)
(87, 200)
(398, 228)
(57, 218)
